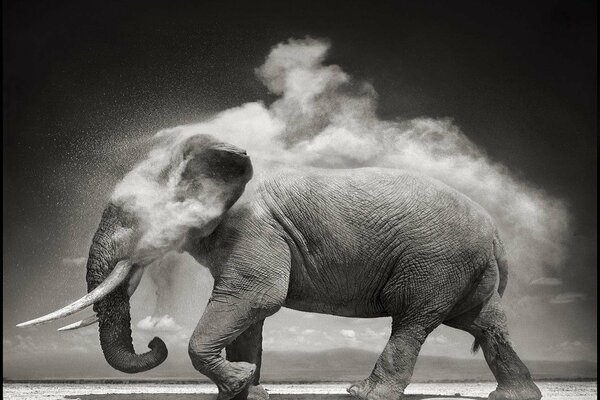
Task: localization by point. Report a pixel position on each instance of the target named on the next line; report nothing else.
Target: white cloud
(370, 333)
(546, 281)
(293, 329)
(576, 350)
(569, 297)
(440, 339)
(348, 333)
(170, 331)
(570, 344)
(74, 262)
(268, 342)
(163, 323)
(324, 332)
(80, 349)
(26, 344)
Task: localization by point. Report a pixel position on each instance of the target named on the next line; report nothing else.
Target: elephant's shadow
(174, 396)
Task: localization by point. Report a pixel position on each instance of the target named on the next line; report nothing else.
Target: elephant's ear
(212, 173)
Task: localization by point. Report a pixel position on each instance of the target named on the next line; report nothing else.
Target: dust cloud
(324, 118)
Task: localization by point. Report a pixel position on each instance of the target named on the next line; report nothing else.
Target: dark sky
(84, 80)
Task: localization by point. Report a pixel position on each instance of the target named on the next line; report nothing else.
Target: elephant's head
(202, 164)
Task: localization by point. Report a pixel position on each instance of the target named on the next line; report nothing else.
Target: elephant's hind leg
(395, 365)
(488, 325)
(226, 317)
(248, 347)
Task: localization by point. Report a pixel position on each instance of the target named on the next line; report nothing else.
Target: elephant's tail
(501, 262)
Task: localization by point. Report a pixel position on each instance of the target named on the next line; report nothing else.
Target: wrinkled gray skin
(357, 243)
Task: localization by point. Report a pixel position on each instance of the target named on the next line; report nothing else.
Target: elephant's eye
(194, 168)
(227, 166)
(188, 188)
(217, 164)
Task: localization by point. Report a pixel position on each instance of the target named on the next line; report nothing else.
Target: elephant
(363, 242)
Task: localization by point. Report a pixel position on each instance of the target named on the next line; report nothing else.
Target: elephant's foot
(369, 390)
(253, 392)
(257, 393)
(236, 376)
(360, 390)
(529, 392)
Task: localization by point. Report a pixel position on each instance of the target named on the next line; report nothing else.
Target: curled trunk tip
(132, 363)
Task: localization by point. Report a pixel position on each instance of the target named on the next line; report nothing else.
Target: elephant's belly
(351, 295)
(342, 309)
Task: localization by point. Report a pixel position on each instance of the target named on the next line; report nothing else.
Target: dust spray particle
(324, 118)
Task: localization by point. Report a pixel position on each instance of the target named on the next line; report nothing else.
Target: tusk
(116, 277)
(80, 324)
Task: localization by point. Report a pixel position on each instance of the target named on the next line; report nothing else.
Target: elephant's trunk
(113, 310)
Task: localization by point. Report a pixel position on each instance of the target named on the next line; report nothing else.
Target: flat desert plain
(321, 391)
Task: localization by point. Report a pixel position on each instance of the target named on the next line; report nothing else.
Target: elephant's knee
(203, 357)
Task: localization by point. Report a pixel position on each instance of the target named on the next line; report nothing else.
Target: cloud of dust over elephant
(323, 118)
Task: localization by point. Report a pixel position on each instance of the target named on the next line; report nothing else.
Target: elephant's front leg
(248, 347)
(226, 317)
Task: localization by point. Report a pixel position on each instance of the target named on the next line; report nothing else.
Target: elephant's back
(375, 202)
(393, 189)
